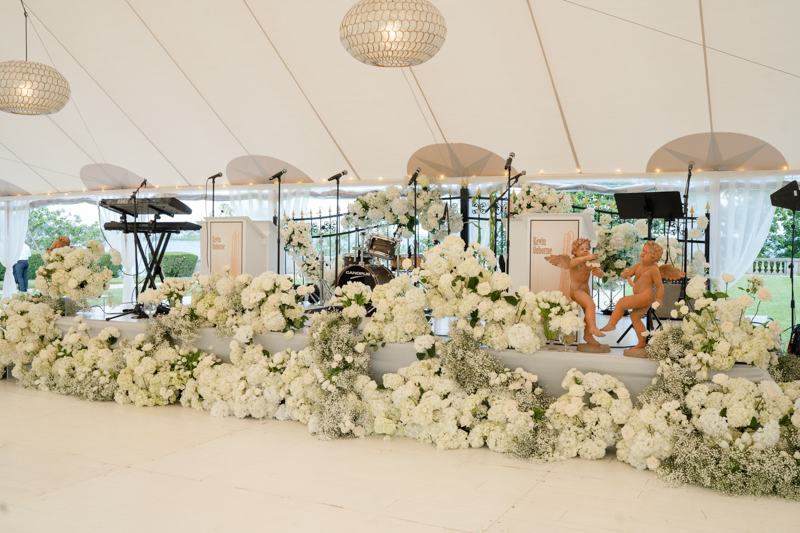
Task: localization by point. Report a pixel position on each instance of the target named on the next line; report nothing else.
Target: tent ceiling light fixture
(393, 34)
(29, 88)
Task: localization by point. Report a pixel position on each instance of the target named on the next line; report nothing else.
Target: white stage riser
(551, 367)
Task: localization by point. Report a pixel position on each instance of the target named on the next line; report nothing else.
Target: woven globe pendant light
(393, 34)
(28, 88)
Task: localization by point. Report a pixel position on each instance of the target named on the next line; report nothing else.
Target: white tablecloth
(551, 367)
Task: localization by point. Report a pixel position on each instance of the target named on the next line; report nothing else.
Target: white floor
(73, 466)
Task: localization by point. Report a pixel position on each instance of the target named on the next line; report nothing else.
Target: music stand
(648, 205)
(788, 197)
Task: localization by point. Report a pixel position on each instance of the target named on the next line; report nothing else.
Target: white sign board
(534, 236)
(226, 246)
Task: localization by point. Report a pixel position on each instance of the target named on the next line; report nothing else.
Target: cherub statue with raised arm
(648, 277)
(580, 270)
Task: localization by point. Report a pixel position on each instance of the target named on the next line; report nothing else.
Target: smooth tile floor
(73, 466)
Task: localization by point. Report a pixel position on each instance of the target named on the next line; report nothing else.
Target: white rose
(728, 278)
(652, 463)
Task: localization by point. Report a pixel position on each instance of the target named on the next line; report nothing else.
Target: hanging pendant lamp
(393, 34)
(29, 88)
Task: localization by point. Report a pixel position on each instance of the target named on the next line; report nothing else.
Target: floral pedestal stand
(567, 340)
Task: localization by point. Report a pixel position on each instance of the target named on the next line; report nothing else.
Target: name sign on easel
(226, 247)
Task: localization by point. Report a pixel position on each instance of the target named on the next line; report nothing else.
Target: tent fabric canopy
(175, 91)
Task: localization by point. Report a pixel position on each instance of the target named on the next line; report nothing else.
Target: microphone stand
(511, 182)
(336, 257)
(686, 230)
(416, 222)
(280, 224)
(213, 193)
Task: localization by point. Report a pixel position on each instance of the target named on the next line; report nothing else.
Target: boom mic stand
(686, 230)
(336, 178)
(511, 182)
(278, 223)
(416, 222)
(213, 191)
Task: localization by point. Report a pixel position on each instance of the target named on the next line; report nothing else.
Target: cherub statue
(61, 242)
(580, 269)
(648, 277)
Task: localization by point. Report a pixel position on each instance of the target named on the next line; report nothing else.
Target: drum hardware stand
(416, 222)
(511, 182)
(278, 223)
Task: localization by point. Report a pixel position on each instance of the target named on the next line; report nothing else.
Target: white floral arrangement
(741, 414)
(560, 315)
(174, 290)
(270, 303)
(534, 198)
(648, 437)
(459, 285)
(354, 298)
(297, 241)
(155, 371)
(76, 365)
(399, 312)
(719, 332)
(587, 429)
(26, 328)
(151, 296)
(74, 272)
(396, 206)
(617, 247)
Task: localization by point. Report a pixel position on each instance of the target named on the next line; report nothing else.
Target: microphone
(215, 176)
(337, 176)
(518, 176)
(414, 175)
(511, 157)
(278, 174)
(691, 164)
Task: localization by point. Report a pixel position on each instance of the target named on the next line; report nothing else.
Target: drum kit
(362, 265)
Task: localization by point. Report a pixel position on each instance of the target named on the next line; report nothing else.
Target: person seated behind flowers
(61, 242)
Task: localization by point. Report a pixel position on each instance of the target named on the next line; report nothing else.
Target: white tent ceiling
(177, 90)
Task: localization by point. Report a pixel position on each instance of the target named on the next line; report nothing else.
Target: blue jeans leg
(21, 275)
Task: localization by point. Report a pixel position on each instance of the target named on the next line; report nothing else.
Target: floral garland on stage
(534, 198)
(75, 272)
(297, 241)
(731, 435)
(396, 206)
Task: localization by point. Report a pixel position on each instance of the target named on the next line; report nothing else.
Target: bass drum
(371, 275)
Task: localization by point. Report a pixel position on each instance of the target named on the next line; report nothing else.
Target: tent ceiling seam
(185, 75)
(682, 39)
(314, 109)
(29, 166)
(430, 109)
(40, 167)
(111, 99)
(555, 90)
(419, 106)
(705, 65)
(71, 100)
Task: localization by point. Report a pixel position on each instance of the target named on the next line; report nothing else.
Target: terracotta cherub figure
(648, 276)
(579, 274)
(61, 242)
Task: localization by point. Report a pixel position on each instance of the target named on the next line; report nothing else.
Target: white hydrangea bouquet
(648, 437)
(459, 285)
(560, 316)
(270, 302)
(396, 206)
(617, 247)
(587, 429)
(297, 241)
(535, 198)
(399, 313)
(76, 273)
(26, 328)
(737, 413)
(719, 331)
(354, 298)
(77, 365)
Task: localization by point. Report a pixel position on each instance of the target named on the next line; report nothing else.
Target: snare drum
(381, 246)
(371, 275)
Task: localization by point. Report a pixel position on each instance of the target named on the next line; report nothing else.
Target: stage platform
(550, 366)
